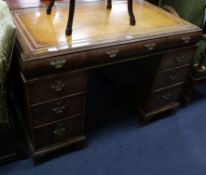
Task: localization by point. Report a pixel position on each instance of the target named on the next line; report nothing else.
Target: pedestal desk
(149, 64)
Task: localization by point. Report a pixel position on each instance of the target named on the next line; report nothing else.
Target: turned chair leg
(130, 10)
(69, 26)
(201, 66)
(49, 8)
(131, 14)
(70, 17)
(109, 4)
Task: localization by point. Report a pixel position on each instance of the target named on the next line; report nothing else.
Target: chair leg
(131, 14)
(70, 17)
(49, 8)
(109, 4)
(201, 66)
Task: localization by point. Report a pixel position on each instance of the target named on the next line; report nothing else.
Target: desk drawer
(164, 97)
(177, 58)
(116, 53)
(51, 134)
(57, 110)
(105, 55)
(172, 77)
(55, 87)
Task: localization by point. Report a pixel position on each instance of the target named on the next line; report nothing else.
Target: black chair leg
(70, 18)
(201, 66)
(131, 14)
(49, 8)
(69, 26)
(109, 4)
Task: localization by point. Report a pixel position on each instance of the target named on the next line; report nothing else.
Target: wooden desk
(152, 60)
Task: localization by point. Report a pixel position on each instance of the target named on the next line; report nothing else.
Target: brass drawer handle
(173, 77)
(167, 96)
(59, 131)
(58, 64)
(186, 39)
(179, 59)
(150, 46)
(58, 109)
(59, 86)
(112, 53)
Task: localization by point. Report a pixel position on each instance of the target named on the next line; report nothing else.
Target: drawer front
(57, 110)
(172, 77)
(177, 58)
(107, 55)
(116, 53)
(51, 134)
(56, 87)
(54, 64)
(165, 97)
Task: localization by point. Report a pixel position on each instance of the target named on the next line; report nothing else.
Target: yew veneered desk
(149, 64)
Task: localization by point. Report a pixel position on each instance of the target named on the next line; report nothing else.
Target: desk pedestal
(153, 84)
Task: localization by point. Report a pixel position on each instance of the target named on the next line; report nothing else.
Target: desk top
(94, 26)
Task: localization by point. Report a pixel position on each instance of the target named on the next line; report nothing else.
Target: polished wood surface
(42, 34)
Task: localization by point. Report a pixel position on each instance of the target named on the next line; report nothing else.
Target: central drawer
(55, 87)
(57, 110)
(51, 134)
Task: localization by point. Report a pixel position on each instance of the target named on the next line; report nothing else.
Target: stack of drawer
(155, 84)
(168, 85)
(56, 110)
